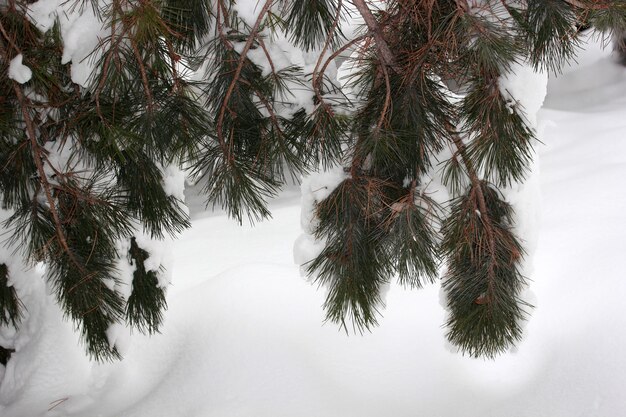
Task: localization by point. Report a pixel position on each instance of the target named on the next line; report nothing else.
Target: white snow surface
(244, 336)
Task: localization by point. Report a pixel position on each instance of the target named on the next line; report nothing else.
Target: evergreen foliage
(82, 166)
(5, 355)
(483, 281)
(9, 301)
(349, 264)
(146, 302)
(191, 82)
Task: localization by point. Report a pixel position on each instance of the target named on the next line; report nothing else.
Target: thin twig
(582, 5)
(268, 56)
(329, 38)
(12, 44)
(174, 58)
(339, 52)
(387, 104)
(115, 41)
(144, 75)
(56, 403)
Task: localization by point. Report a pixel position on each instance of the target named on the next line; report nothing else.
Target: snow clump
(18, 71)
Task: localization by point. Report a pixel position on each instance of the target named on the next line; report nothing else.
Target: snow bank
(525, 90)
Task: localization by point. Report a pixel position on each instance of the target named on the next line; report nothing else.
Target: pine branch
(145, 305)
(411, 228)
(240, 64)
(10, 305)
(37, 156)
(427, 74)
(385, 53)
(311, 22)
(483, 281)
(352, 264)
(387, 102)
(476, 187)
(5, 355)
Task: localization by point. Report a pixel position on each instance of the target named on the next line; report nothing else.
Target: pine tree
(195, 83)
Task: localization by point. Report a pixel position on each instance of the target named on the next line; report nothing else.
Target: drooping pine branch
(550, 31)
(5, 355)
(411, 228)
(235, 79)
(408, 115)
(351, 264)
(146, 303)
(10, 304)
(488, 118)
(483, 282)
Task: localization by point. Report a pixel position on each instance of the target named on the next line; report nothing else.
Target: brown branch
(242, 60)
(174, 59)
(263, 99)
(107, 61)
(38, 158)
(582, 5)
(329, 37)
(339, 52)
(144, 75)
(387, 57)
(387, 104)
(484, 215)
(219, 27)
(268, 56)
(220, 18)
(471, 172)
(268, 106)
(30, 130)
(12, 43)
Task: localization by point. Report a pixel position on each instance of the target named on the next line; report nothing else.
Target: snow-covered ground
(244, 336)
